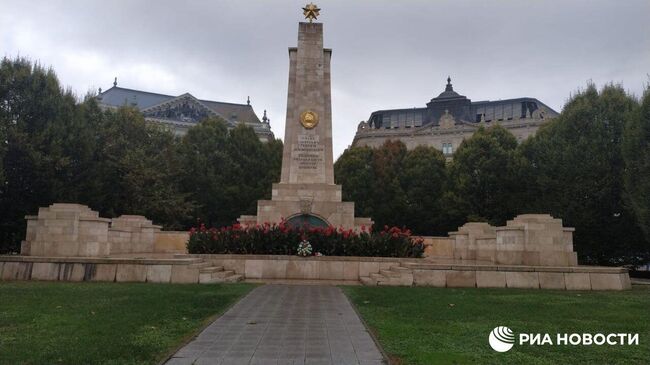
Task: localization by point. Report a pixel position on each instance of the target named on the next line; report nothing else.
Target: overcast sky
(386, 54)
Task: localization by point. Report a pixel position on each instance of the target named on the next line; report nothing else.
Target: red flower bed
(281, 239)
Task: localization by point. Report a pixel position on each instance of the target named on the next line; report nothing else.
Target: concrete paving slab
(285, 324)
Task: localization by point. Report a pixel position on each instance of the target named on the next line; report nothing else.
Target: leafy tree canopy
(636, 153)
(58, 149)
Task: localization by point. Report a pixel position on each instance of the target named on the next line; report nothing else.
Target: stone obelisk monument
(306, 193)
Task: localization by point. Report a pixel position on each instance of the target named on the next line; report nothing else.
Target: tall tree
(32, 106)
(54, 148)
(636, 152)
(388, 195)
(484, 175)
(137, 170)
(397, 187)
(255, 168)
(354, 171)
(578, 168)
(424, 180)
(225, 172)
(207, 169)
(273, 150)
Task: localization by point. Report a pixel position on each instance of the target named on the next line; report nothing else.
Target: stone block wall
(467, 237)
(536, 239)
(438, 247)
(66, 230)
(16, 268)
(281, 267)
(70, 230)
(521, 277)
(132, 234)
(528, 239)
(267, 268)
(171, 242)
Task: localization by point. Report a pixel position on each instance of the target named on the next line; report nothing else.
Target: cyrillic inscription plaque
(308, 153)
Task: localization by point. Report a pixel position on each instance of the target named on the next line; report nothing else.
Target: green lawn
(451, 326)
(97, 323)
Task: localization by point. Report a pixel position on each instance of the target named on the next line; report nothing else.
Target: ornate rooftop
(184, 110)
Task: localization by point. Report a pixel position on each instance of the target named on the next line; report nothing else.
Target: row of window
(486, 112)
(505, 111)
(406, 119)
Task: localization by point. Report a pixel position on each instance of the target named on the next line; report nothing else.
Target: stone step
(205, 278)
(400, 269)
(215, 276)
(222, 274)
(391, 282)
(191, 260)
(410, 265)
(229, 278)
(233, 278)
(380, 279)
(368, 281)
(404, 279)
(210, 280)
(200, 265)
(210, 269)
(389, 273)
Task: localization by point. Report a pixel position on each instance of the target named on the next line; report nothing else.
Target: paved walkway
(285, 324)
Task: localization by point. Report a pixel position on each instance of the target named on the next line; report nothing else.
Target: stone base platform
(304, 282)
(518, 276)
(316, 270)
(319, 200)
(419, 272)
(114, 269)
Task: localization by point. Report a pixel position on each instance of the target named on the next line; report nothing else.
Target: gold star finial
(311, 12)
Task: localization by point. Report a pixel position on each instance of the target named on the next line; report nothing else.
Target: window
(387, 121)
(417, 119)
(523, 110)
(447, 149)
(489, 113)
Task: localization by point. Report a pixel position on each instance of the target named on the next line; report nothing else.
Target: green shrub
(282, 239)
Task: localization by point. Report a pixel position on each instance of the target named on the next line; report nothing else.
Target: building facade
(449, 118)
(179, 113)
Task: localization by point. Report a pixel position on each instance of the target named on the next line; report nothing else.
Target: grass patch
(451, 326)
(104, 323)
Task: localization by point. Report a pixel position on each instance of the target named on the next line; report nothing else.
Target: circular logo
(501, 339)
(309, 119)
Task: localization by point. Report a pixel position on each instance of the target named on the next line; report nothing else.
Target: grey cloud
(387, 54)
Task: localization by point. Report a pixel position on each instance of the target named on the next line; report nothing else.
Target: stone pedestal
(306, 189)
(70, 230)
(66, 230)
(541, 238)
(470, 237)
(528, 239)
(132, 234)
